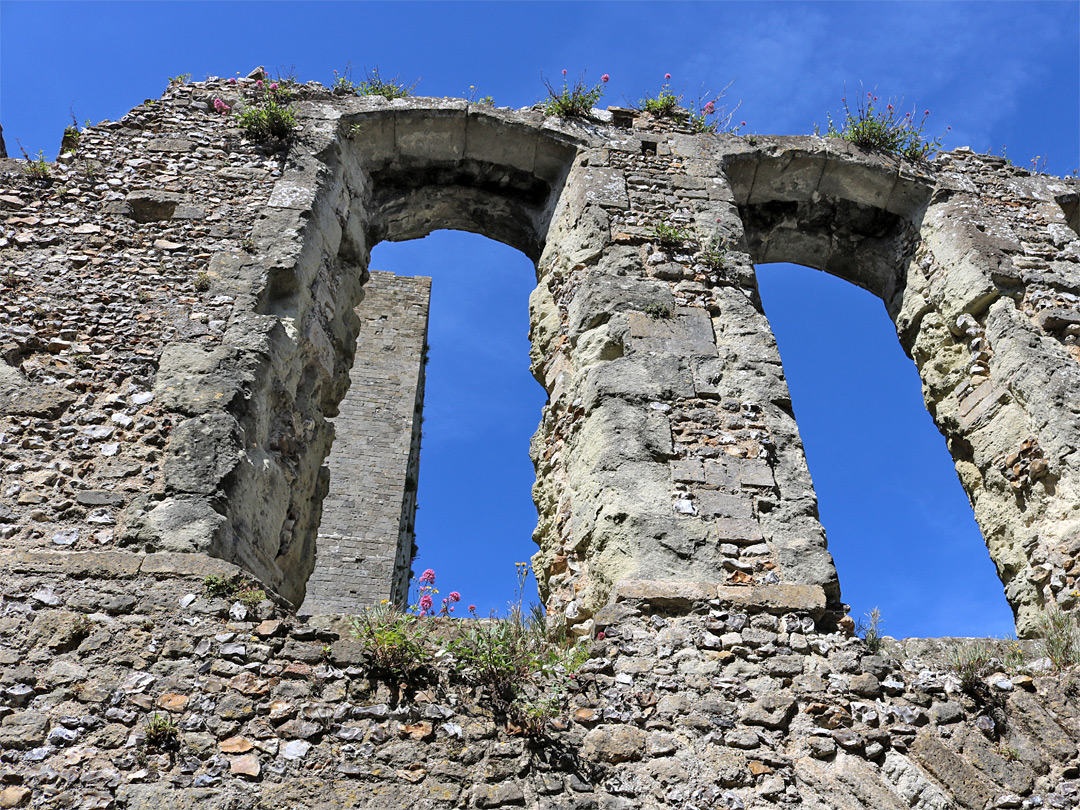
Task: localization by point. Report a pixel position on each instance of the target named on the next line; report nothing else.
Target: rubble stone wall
(179, 325)
(179, 316)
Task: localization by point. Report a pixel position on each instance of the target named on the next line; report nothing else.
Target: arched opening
(474, 517)
(899, 524)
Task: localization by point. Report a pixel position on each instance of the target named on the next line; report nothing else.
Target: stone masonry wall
(365, 543)
(179, 319)
(181, 323)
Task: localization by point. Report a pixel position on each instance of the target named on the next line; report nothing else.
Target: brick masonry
(365, 543)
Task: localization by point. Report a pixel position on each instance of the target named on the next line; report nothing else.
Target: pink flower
(926, 113)
(667, 75)
(564, 71)
(232, 80)
(472, 608)
(425, 603)
(743, 124)
(221, 107)
(273, 85)
(258, 82)
(600, 636)
(428, 577)
(455, 596)
(605, 78)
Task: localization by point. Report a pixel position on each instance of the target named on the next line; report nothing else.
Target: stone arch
(668, 459)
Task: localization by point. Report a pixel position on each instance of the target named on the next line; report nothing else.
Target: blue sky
(1003, 75)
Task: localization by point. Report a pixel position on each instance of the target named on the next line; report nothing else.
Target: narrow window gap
(475, 513)
(898, 521)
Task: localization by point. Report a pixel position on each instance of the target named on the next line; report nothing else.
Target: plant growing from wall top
(373, 84)
(574, 101)
(706, 114)
(269, 117)
(884, 129)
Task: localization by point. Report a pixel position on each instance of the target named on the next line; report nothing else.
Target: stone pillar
(667, 453)
(364, 547)
(987, 314)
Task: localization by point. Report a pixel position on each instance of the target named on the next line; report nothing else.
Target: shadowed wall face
(365, 543)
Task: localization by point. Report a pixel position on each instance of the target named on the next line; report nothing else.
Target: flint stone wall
(181, 324)
(179, 319)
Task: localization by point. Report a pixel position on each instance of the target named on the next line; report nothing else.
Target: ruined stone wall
(179, 318)
(365, 543)
(181, 324)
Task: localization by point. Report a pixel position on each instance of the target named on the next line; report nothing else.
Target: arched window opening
(899, 524)
(475, 515)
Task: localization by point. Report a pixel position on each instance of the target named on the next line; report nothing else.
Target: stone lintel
(684, 596)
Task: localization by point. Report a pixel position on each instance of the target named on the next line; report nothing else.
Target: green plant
(485, 101)
(375, 85)
(80, 628)
(572, 102)
(659, 309)
(247, 245)
(395, 640)
(1009, 754)
(887, 130)
(714, 253)
(1060, 637)
(521, 670)
(671, 236)
(180, 79)
(248, 593)
(202, 281)
(11, 279)
(36, 169)
(1038, 164)
(869, 629)
(81, 361)
(664, 105)
(970, 661)
(161, 733)
(271, 116)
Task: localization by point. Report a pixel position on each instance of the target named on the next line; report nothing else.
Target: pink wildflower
(743, 124)
(425, 603)
(273, 85)
(600, 636)
(472, 608)
(455, 596)
(428, 577)
(667, 75)
(605, 78)
(926, 113)
(232, 80)
(564, 71)
(708, 109)
(221, 107)
(258, 82)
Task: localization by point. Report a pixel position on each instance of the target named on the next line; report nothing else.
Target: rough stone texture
(717, 704)
(179, 325)
(365, 543)
(178, 328)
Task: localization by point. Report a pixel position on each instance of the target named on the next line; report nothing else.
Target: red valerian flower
(428, 577)
(605, 78)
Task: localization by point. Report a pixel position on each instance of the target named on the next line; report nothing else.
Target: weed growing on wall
(714, 253)
(372, 85)
(1060, 637)
(574, 101)
(161, 733)
(970, 662)
(236, 587)
(37, 169)
(869, 629)
(517, 670)
(886, 129)
(270, 115)
(671, 236)
(705, 114)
